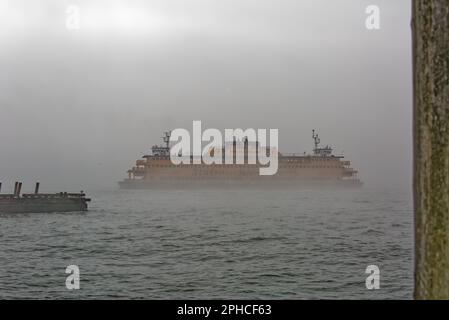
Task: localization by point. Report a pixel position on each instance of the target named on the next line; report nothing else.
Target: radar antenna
(315, 138)
(166, 138)
(323, 152)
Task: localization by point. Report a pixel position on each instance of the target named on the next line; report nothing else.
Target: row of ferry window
(222, 166)
(315, 166)
(310, 160)
(288, 160)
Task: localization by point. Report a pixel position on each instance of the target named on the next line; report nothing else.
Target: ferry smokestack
(16, 184)
(19, 188)
(36, 190)
(0, 187)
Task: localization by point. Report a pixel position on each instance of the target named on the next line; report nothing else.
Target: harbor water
(206, 244)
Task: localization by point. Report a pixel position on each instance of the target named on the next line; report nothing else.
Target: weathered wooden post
(430, 26)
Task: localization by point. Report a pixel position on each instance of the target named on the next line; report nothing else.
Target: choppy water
(192, 244)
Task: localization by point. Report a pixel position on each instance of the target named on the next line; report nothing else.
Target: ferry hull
(158, 184)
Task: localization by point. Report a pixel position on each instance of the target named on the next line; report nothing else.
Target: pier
(17, 202)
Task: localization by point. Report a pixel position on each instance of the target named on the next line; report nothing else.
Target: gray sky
(78, 107)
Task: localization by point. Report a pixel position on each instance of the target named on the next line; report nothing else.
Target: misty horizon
(78, 107)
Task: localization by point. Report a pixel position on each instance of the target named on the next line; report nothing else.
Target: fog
(78, 107)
